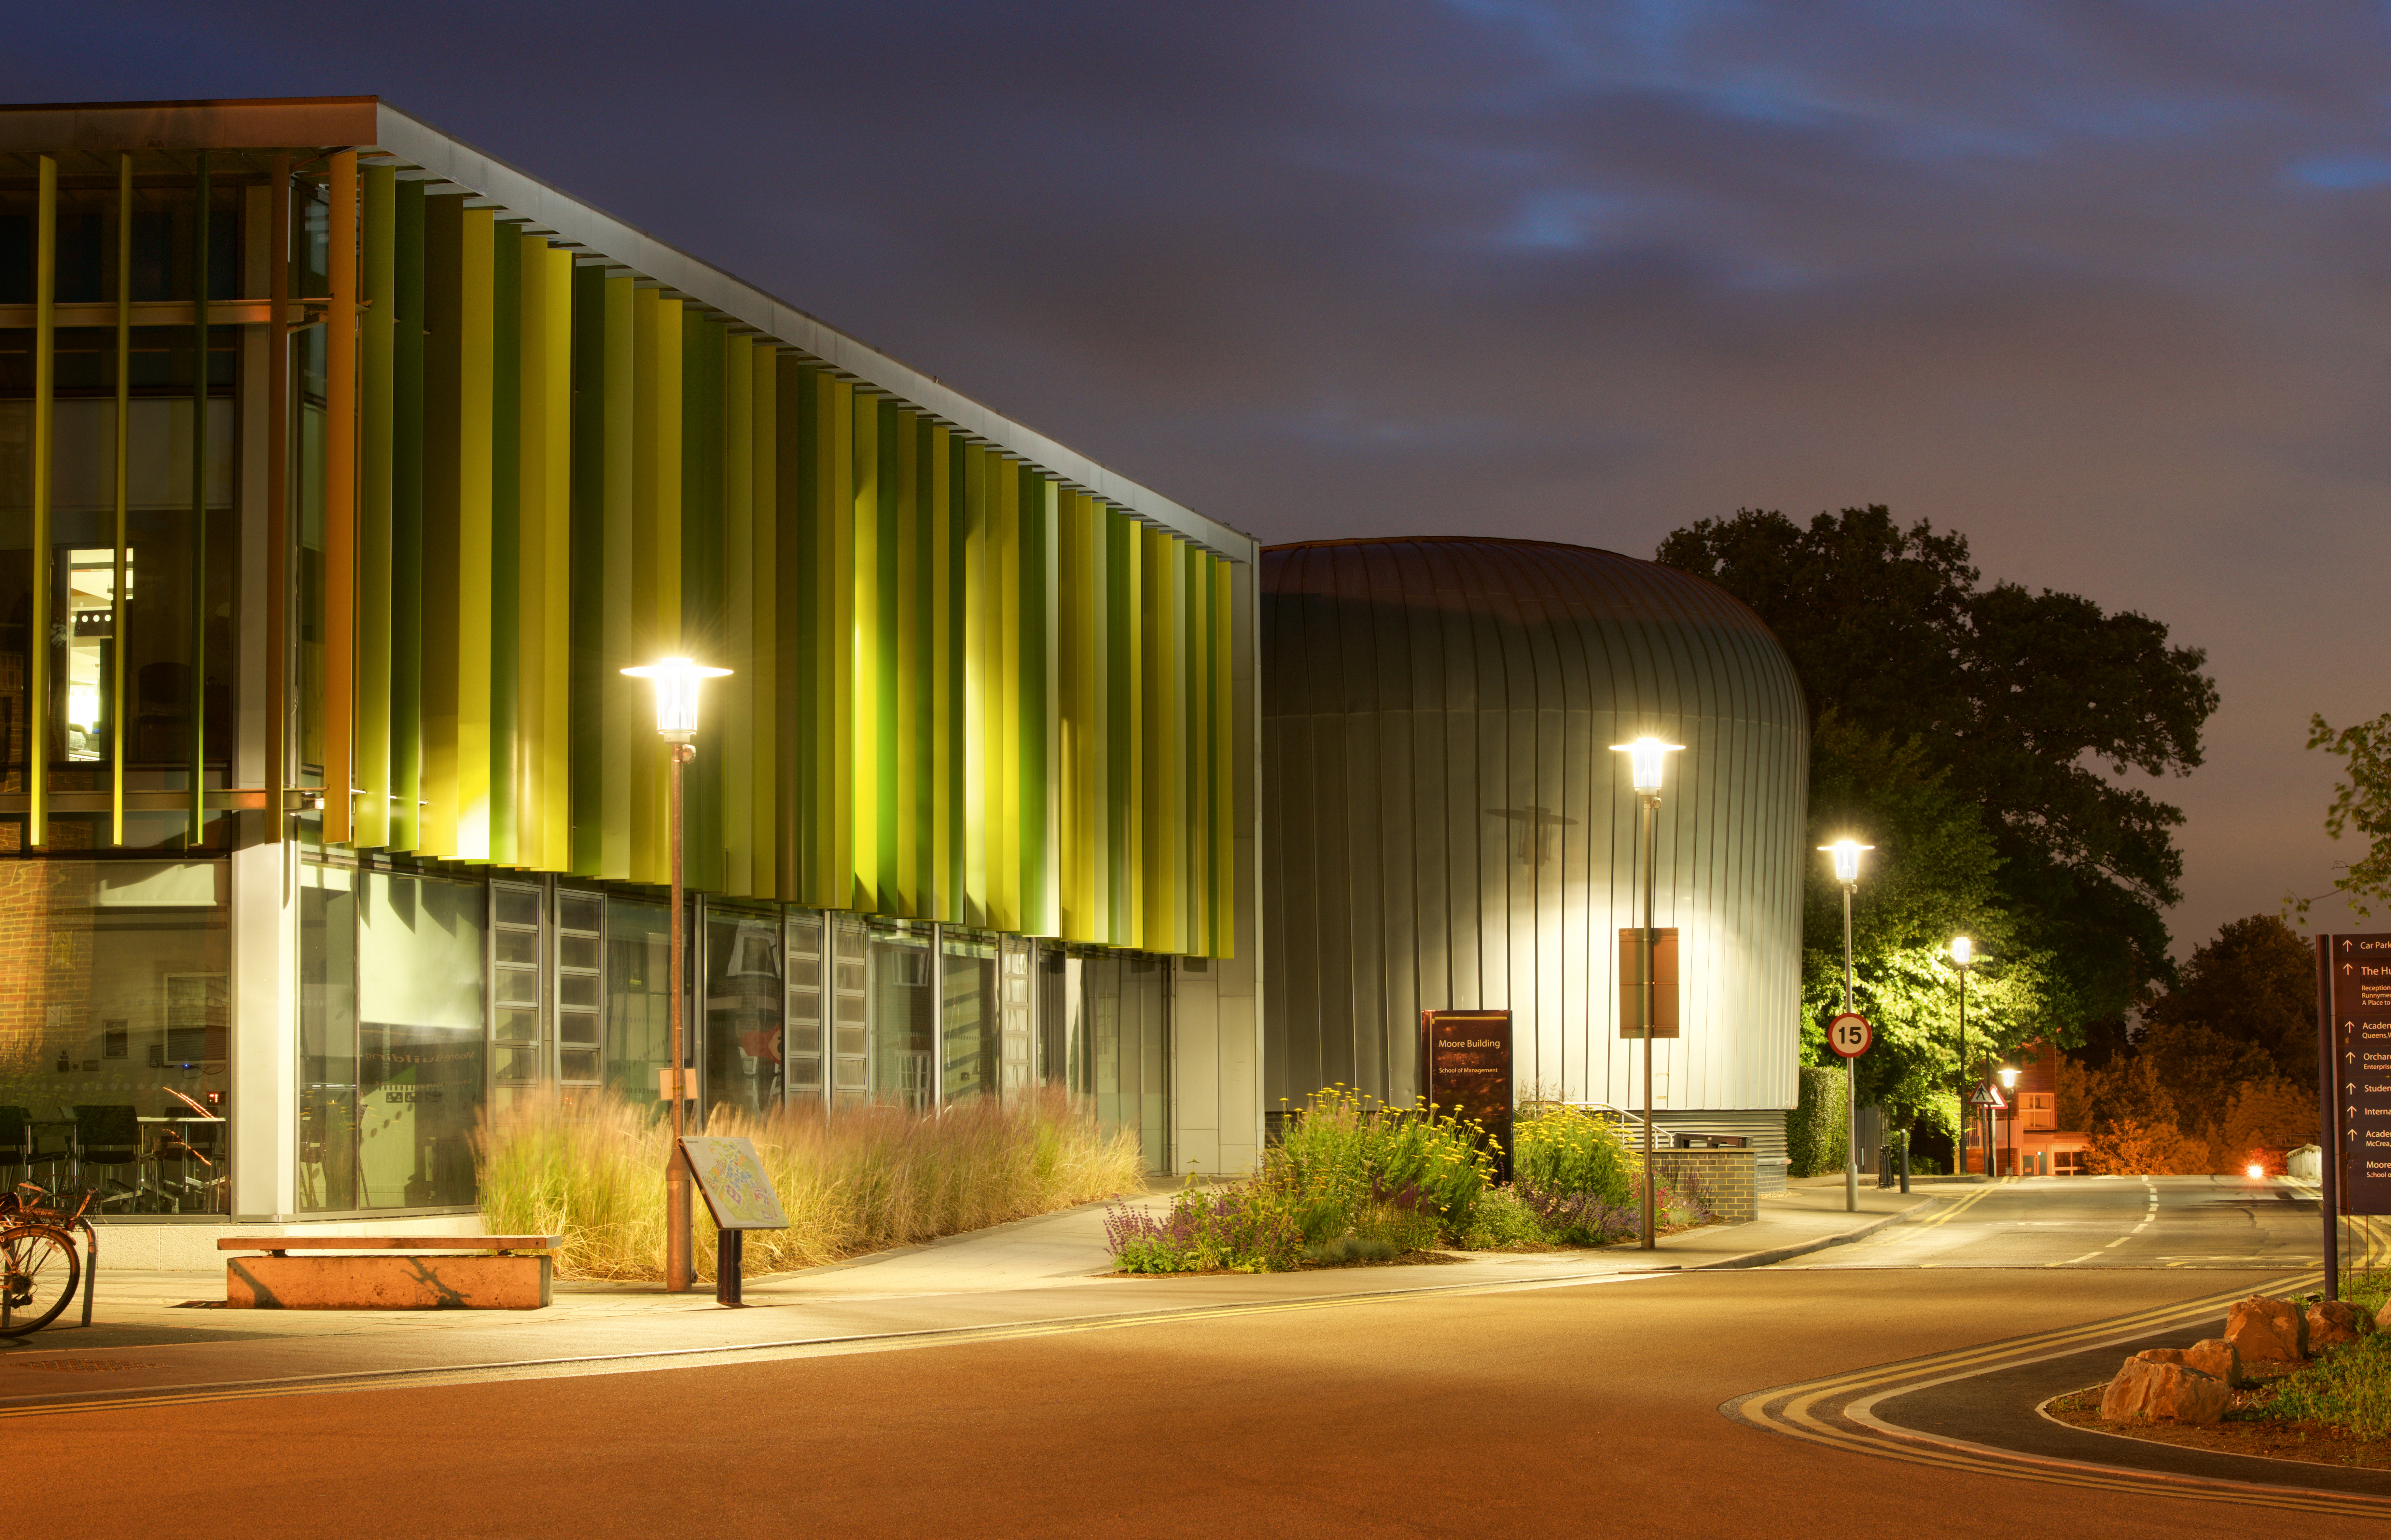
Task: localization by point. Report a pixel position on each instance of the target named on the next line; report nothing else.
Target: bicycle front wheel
(39, 1269)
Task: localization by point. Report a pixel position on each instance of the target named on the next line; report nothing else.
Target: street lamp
(1847, 872)
(2009, 1084)
(1646, 757)
(1963, 952)
(676, 680)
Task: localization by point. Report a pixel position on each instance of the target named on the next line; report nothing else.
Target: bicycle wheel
(39, 1269)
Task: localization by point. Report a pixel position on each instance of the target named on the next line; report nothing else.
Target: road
(1590, 1408)
(2103, 1221)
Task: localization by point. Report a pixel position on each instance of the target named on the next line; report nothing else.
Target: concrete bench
(390, 1272)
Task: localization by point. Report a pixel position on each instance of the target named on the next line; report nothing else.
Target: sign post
(2353, 1084)
(1465, 1068)
(1848, 1036)
(741, 1199)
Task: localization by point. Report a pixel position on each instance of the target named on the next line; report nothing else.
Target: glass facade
(393, 1021)
(113, 1032)
(353, 594)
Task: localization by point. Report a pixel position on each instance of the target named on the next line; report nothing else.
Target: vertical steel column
(123, 464)
(2328, 1114)
(1851, 1076)
(340, 504)
(677, 1267)
(277, 499)
(1652, 806)
(37, 686)
(193, 830)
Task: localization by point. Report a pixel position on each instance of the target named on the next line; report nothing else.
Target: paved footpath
(164, 1334)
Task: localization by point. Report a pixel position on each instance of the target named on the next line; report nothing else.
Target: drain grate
(81, 1366)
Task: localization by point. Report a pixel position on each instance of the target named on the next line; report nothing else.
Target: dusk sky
(2103, 286)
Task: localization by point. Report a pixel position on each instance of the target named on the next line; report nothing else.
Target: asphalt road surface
(2205, 1221)
(1574, 1410)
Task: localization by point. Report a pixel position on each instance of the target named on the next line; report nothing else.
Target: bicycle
(39, 1265)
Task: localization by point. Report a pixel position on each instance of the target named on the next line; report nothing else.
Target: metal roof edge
(576, 223)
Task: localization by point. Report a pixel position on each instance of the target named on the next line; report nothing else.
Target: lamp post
(2009, 1084)
(1647, 757)
(1847, 872)
(1963, 953)
(676, 680)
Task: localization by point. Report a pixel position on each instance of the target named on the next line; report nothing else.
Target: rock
(2268, 1330)
(2156, 1391)
(2333, 1322)
(2213, 1356)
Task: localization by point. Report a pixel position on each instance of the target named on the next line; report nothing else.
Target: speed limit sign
(1850, 1035)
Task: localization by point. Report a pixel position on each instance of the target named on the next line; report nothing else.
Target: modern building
(341, 469)
(1446, 827)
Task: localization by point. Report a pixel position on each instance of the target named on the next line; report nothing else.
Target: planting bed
(2244, 1429)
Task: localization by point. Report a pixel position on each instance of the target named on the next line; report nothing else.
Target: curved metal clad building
(1445, 824)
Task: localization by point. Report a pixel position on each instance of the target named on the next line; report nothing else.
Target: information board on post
(1465, 1067)
(2354, 1039)
(737, 1192)
(1665, 981)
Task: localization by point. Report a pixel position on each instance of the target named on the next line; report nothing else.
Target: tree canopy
(2031, 705)
(1933, 874)
(2362, 801)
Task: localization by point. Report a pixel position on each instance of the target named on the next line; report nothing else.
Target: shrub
(862, 1180)
(1814, 1130)
(1573, 1152)
(1242, 1229)
(1346, 1151)
(1502, 1219)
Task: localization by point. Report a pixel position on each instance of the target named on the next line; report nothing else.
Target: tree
(2252, 991)
(1931, 874)
(2022, 698)
(2362, 800)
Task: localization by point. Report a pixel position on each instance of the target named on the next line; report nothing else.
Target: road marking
(1964, 1204)
(1796, 1411)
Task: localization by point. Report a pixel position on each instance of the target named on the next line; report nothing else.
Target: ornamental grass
(863, 1179)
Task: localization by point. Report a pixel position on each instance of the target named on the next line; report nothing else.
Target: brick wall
(1723, 1178)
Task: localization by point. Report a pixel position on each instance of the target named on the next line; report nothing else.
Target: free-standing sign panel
(1665, 981)
(736, 1189)
(2354, 1039)
(1465, 1067)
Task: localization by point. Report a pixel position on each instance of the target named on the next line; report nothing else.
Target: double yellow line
(1944, 1215)
(1838, 1411)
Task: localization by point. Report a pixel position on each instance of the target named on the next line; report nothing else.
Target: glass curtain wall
(1114, 1010)
(903, 1012)
(393, 1038)
(149, 670)
(971, 1023)
(638, 986)
(744, 998)
(115, 1033)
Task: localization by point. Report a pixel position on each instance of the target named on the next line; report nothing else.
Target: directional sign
(1850, 1035)
(2357, 1041)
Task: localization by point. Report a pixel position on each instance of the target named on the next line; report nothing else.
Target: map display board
(736, 1190)
(2356, 1042)
(1466, 1066)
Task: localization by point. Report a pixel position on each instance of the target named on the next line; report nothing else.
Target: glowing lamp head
(1646, 761)
(2255, 1171)
(1963, 950)
(1847, 859)
(677, 680)
(2009, 1078)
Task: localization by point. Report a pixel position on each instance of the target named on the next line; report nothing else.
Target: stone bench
(428, 1271)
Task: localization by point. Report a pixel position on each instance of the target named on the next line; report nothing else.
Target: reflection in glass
(328, 1040)
(742, 1009)
(973, 1026)
(421, 942)
(901, 1012)
(114, 1037)
(639, 947)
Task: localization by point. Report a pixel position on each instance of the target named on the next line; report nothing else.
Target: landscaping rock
(2268, 1331)
(2159, 1391)
(2214, 1356)
(2333, 1322)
